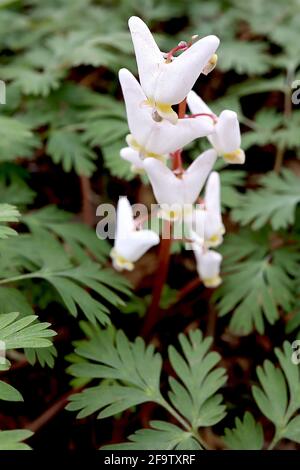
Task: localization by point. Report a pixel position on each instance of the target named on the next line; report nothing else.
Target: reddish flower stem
(52, 411)
(182, 109)
(87, 208)
(164, 251)
(160, 279)
(188, 288)
(180, 47)
(210, 115)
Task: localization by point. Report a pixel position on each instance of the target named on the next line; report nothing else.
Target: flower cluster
(157, 135)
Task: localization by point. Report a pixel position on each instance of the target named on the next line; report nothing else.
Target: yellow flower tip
(211, 64)
(137, 171)
(144, 153)
(236, 157)
(132, 143)
(215, 240)
(212, 281)
(164, 110)
(167, 112)
(170, 215)
(175, 214)
(119, 262)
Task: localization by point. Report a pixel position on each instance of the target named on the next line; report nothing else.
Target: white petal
(171, 190)
(167, 188)
(177, 78)
(166, 138)
(228, 132)
(208, 266)
(196, 104)
(138, 243)
(139, 117)
(226, 138)
(125, 221)
(212, 193)
(237, 157)
(198, 224)
(195, 176)
(132, 156)
(214, 228)
(148, 55)
(158, 137)
(190, 129)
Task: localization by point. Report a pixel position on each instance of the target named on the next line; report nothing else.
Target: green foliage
(79, 238)
(12, 440)
(44, 258)
(67, 147)
(244, 57)
(16, 192)
(59, 61)
(16, 139)
(131, 376)
(8, 213)
(137, 367)
(271, 127)
(195, 394)
(247, 434)
(274, 202)
(258, 281)
(278, 396)
(266, 127)
(25, 332)
(161, 436)
(230, 182)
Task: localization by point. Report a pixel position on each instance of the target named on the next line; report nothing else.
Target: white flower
(207, 220)
(164, 82)
(150, 138)
(130, 244)
(177, 193)
(226, 138)
(208, 267)
(133, 157)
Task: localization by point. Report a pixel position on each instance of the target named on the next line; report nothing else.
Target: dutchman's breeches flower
(130, 244)
(152, 138)
(207, 220)
(176, 193)
(226, 138)
(167, 80)
(156, 138)
(208, 267)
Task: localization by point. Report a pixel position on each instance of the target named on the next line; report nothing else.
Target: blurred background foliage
(64, 123)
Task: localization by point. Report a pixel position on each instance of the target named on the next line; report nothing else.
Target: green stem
(183, 422)
(20, 277)
(274, 441)
(197, 436)
(176, 415)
